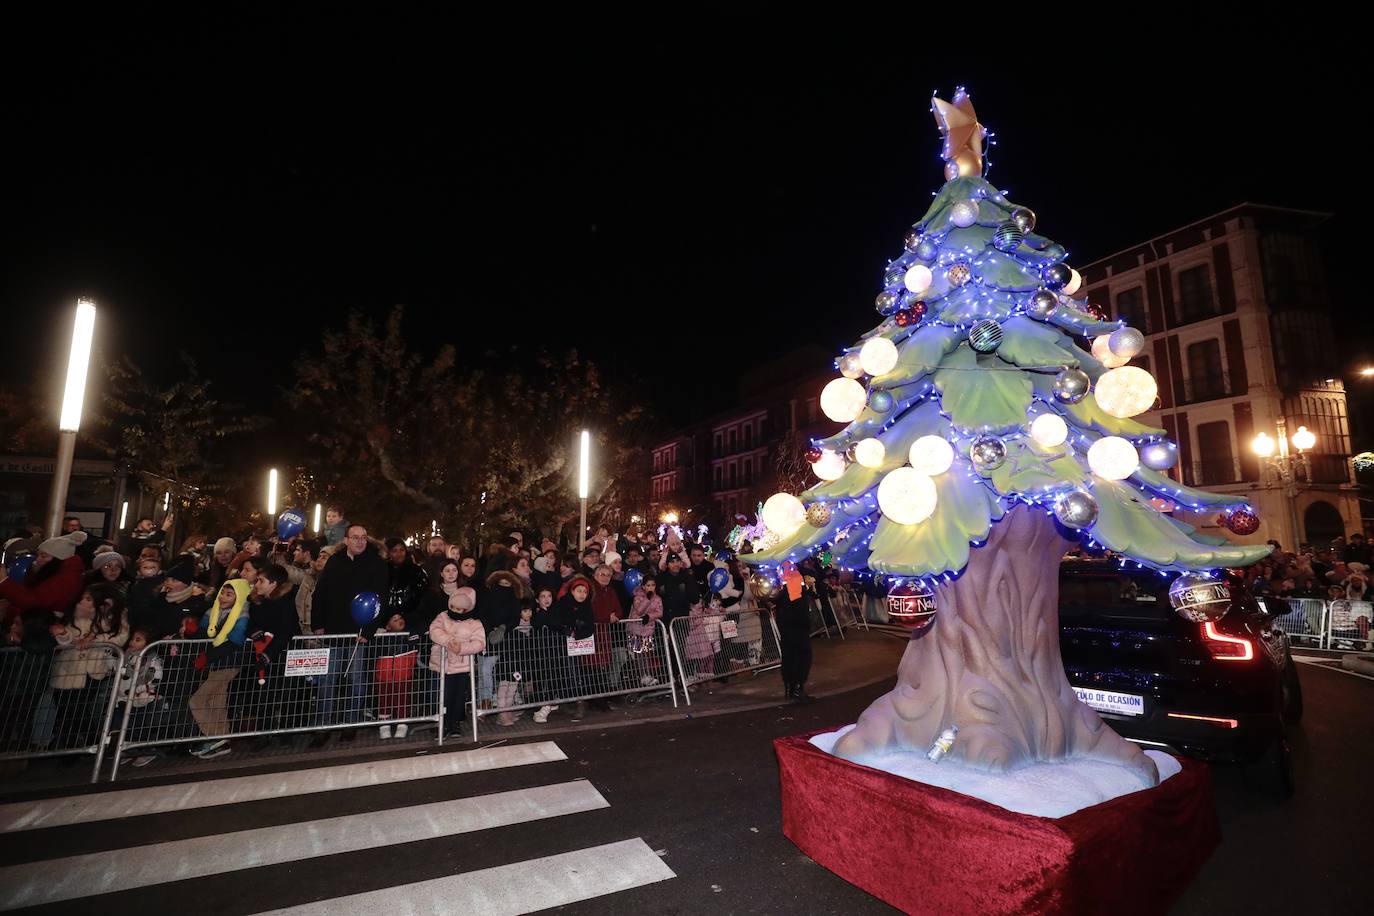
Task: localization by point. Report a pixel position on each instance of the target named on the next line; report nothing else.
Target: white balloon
(783, 513)
(878, 356)
(1102, 351)
(907, 496)
(918, 278)
(1113, 458)
(870, 452)
(842, 399)
(1049, 429)
(931, 455)
(1126, 392)
(831, 465)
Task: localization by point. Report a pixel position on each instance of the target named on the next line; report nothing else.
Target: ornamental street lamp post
(78, 363)
(583, 477)
(1285, 468)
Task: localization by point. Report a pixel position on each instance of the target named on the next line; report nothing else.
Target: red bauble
(911, 605)
(917, 310)
(1242, 520)
(903, 318)
(1096, 311)
(813, 454)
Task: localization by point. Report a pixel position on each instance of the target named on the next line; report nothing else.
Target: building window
(717, 446)
(717, 476)
(1142, 362)
(749, 435)
(1195, 300)
(748, 471)
(733, 474)
(1206, 379)
(1130, 308)
(734, 441)
(1214, 445)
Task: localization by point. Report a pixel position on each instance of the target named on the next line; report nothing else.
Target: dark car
(1223, 691)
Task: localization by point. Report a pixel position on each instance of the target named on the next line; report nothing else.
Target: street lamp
(317, 518)
(78, 363)
(583, 480)
(272, 493)
(1286, 468)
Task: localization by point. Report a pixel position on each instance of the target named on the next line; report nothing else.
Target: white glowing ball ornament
(783, 513)
(918, 278)
(830, 466)
(842, 399)
(1113, 458)
(878, 356)
(1126, 392)
(906, 496)
(1102, 351)
(931, 455)
(1049, 430)
(870, 452)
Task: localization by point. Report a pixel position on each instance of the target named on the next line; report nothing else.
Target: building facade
(1234, 308)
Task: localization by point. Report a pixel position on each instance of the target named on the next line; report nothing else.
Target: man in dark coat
(356, 569)
(678, 589)
(793, 605)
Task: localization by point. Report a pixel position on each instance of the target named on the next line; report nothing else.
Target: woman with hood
(571, 617)
(226, 626)
(457, 635)
(54, 581)
(444, 584)
(498, 607)
(80, 672)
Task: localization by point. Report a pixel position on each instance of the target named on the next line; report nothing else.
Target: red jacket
(56, 594)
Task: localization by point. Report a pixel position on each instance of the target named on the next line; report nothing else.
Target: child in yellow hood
(226, 626)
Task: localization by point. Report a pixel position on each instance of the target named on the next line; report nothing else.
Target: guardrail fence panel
(712, 646)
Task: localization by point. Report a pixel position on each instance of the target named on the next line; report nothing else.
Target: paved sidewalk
(861, 659)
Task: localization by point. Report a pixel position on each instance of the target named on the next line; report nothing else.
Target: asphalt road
(702, 795)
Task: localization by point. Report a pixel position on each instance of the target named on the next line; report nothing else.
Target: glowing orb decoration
(842, 399)
(830, 466)
(918, 278)
(1126, 392)
(1049, 430)
(931, 455)
(878, 356)
(783, 513)
(870, 452)
(1102, 351)
(849, 366)
(907, 496)
(1113, 458)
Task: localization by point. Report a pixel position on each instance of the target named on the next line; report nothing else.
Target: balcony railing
(1205, 388)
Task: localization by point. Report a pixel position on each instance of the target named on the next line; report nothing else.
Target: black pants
(796, 658)
(457, 692)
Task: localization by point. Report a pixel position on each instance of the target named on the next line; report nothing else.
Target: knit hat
(465, 598)
(105, 558)
(226, 544)
(64, 547)
(183, 569)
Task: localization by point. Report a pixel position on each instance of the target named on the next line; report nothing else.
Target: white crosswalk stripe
(513, 887)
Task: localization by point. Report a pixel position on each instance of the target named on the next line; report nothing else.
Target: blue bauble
(927, 250)
(1159, 456)
(880, 401)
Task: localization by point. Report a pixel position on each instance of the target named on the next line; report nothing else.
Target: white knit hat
(226, 544)
(62, 548)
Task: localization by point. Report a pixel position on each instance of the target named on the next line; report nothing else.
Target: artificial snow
(1041, 789)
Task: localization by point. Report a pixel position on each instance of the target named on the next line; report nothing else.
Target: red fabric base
(926, 849)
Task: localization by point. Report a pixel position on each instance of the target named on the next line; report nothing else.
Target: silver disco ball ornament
(1076, 509)
(1072, 386)
(895, 275)
(762, 585)
(1008, 237)
(1159, 456)
(987, 453)
(1041, 304)
(880, 401)
(926, 250)
(1200, 597)
(985, 336)
(1126, 342)
(887, 301)
(958, 274)
(1024, 218)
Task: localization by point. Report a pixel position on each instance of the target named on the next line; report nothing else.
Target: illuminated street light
(583, 486)
(1285, 469)
(1304, 439)
(317, 518)
(272, 493)
(1367, 371)
(73, 394)
(1263, 445)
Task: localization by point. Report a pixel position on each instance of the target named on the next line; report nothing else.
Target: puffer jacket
(463, 638)
(55, 595)
(643, 613)
(73, 667)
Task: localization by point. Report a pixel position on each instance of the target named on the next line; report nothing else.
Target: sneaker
(402, 730)
(210, 747)
(542, 715)
(143, 760)
(211, 755)
(648, 680)
(385, 732)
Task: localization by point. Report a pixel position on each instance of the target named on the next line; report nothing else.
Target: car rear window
(1100, 593)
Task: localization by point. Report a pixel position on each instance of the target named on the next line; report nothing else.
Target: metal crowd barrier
(544, 671)
(58, 702)
(848, 609)
(179, 691)
(1348, 625)
(710, 646)
(1305, 624)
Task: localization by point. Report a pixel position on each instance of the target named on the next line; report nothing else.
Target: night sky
(678, 205)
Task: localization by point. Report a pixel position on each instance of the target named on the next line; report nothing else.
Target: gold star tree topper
(963, 149)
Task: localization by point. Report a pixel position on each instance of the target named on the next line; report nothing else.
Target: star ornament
(963, 134)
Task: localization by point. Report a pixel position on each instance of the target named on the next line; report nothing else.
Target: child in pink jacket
(457, 635)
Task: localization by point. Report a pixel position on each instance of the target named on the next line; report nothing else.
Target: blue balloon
(289, 524)
(718, 579)
(366, 607)
(18, 568)
(633, 578)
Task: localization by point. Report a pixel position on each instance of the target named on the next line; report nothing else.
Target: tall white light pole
(317, 518)
(583, 478)
(272, 494)
(78, 363)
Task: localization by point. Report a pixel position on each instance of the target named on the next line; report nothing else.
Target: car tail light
(1211, 720)
(1225, 647)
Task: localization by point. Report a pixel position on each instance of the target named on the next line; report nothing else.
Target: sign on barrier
(306, 662)
(578, 647)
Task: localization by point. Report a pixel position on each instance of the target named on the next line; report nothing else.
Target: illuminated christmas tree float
(981, 438)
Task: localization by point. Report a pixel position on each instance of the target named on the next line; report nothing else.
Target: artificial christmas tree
(980, 438)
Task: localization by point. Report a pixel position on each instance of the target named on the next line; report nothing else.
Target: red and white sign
(306, 662)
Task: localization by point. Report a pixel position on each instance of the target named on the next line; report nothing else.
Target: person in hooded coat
(572, 617)
(226, 626)
(53, 582)
(498, 607)
(458, 635)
